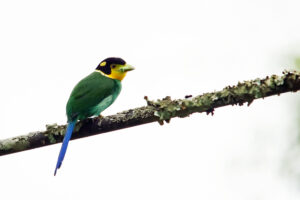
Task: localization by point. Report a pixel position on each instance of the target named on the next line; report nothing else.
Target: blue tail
(64, 146)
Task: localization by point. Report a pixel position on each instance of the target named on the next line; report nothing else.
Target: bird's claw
(100, 116)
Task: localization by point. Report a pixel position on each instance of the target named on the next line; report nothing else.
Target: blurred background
(178, 48)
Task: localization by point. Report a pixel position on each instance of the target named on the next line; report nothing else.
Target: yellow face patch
(103, 64)
(115, 71)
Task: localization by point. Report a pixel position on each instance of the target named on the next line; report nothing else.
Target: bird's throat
(113, 75)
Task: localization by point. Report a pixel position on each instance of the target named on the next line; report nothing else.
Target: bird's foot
(100, 116)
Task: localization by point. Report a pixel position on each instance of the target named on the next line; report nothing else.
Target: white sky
(178, 48)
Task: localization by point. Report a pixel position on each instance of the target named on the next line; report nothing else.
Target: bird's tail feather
(64, 146)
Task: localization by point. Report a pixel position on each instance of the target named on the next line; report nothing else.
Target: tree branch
(160, 111)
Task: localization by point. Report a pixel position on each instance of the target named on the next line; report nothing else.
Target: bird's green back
(88, 93)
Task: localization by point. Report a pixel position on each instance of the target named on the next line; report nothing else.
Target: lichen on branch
(160, 111)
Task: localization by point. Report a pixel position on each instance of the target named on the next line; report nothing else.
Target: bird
(92, 95)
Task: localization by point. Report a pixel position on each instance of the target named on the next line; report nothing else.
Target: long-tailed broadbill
(92, 95)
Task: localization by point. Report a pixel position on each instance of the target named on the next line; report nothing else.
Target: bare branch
(160, 111)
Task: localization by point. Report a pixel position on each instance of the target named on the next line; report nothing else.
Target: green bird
(92, 95)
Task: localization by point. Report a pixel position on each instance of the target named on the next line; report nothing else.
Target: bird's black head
(114, 68)
(106, 64)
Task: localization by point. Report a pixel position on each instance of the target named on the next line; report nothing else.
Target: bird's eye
(113, 66)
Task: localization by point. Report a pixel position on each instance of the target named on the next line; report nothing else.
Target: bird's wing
(87, 94)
